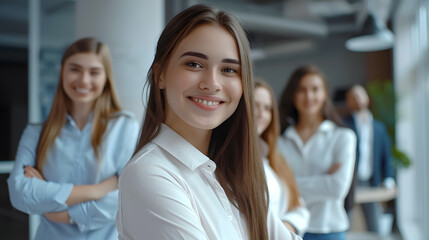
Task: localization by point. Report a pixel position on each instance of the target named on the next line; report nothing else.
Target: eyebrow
(203, 56)
(80, 66)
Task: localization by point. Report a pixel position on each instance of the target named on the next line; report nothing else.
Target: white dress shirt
(365, 129)
(298, 217)
(323, 193)
(169, 190)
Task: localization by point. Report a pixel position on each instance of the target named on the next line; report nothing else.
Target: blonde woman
(67, 168)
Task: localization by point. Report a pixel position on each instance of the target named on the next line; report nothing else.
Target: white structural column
(34, 107)
(130, 28)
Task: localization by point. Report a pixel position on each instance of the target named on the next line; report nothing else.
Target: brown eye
(193, 65)
(267, 108)
(229, 70)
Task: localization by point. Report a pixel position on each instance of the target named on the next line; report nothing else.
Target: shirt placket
(303, 151)
(220, 193)
(80, 153)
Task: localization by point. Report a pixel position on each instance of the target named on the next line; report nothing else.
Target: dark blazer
(382, 151)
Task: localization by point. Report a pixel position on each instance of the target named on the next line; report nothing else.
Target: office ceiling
(273, 25)
(282, 27)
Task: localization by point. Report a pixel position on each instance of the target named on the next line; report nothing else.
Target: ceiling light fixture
(373, 36)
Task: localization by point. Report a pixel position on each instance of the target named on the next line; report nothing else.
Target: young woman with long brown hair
(66, 169)
(284, 195)
(320, 152)
(196, 172)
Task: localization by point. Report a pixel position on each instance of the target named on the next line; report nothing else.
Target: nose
(211, 81)
(85, 78)
(308, 94)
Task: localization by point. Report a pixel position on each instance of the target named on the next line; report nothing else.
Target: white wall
(130, 28)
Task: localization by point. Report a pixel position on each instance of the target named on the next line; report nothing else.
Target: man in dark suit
(373, 156)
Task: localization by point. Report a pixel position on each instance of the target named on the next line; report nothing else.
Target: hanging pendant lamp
(373, 37)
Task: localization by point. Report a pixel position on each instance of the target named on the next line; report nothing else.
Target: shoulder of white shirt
(124, 113)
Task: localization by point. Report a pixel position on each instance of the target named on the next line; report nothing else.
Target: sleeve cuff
(79, 215)
(299, 218)
(63, 193)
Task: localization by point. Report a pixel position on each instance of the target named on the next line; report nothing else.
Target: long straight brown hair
(233, 144)
(275, 159)
(105, 104)
(287, 109)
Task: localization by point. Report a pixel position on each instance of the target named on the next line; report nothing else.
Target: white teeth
(205, 102)
(82, 90)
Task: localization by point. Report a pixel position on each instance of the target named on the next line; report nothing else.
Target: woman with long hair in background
(67, 168)
(283, 191)
(319, 150)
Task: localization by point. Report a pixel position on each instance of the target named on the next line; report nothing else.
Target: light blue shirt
(71, 161)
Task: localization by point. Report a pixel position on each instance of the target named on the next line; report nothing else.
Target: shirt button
(230, 218)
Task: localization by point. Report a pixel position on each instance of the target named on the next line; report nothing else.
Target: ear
(159, 76)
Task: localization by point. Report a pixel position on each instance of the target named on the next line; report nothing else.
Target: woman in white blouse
(195, 173)
(319, 151)
(284, 195)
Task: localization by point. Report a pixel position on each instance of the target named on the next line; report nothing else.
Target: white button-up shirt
(365, 128)
(169, 190)
(298, 217)
(323, 193)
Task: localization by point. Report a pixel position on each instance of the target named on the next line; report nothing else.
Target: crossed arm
(79, 194)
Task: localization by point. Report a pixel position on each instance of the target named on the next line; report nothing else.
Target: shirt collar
(325, 126)
(181, 149)
(70, 120)
(363, 116)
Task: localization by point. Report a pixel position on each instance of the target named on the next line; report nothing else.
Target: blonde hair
(233, 144)
(105, 104)
(275, 159)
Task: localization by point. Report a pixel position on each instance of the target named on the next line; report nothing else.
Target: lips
(206, 102)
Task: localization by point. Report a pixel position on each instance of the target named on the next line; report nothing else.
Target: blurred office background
(284, 34)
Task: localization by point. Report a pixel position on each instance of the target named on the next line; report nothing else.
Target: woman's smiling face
(310, 95)
(84, 78)
(202, 80)
(263, 108)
